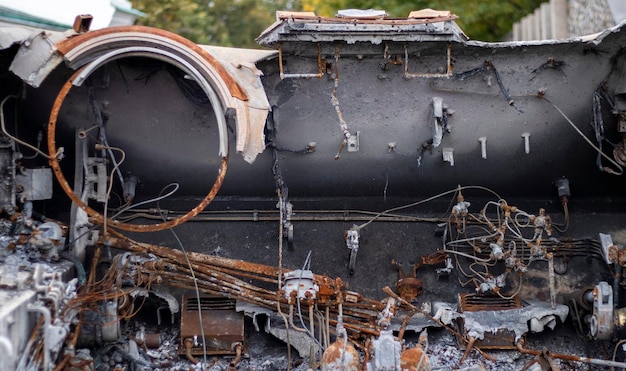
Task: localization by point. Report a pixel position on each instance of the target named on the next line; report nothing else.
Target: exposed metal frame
(409, 75)
(320, 66)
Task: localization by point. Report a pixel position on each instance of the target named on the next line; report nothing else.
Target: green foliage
(486, 20)
(239, 22)
(213, 22)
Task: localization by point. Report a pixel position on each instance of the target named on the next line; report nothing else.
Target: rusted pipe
(122, 242)
(72, 344)
(188, 346)
(468, 349)
(211, 280)
(567, 357)
(233, 365)
(311, 320)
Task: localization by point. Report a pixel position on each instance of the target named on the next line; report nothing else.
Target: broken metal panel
(16, 35)
(240, 63)
(477, 324)
(34, 184)
(304, 27)
(37, 57)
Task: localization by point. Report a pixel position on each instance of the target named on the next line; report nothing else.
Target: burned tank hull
(483, 181)
(384, 91)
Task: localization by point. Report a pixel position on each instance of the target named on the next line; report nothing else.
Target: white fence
(558, 19)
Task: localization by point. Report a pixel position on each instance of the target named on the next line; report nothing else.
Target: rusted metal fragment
(415, 359)
(340, 356)
(409, 287)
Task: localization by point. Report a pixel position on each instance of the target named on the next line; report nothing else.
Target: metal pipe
(300, 329)
(567, 357)
(45, 312)
(233, 365)
(188, 346)
(311, 320)
(403, 219)
(7, 360)
(551, 280)
(320, 66)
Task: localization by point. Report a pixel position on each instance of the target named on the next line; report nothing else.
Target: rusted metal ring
(98, 217)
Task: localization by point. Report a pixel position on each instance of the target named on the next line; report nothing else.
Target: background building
(559, 19)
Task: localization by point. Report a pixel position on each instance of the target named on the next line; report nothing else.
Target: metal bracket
(34, 184)
(601, 324)
(96, 179)
(607, 242)
(353, 142)
(448, 155)
(438, 125)
(320, 66)
(352, 242)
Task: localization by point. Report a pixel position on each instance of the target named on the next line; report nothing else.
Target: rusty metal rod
(568, 357)
(358, 317)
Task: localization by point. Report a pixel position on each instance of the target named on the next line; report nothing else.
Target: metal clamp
(601, 323)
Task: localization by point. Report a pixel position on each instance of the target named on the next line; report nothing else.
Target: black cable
(486, 67)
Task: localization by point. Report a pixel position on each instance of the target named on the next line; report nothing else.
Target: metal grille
(208, 303)
(472, 302)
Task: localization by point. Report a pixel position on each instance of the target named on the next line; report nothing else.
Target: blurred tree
(486, 20)
(214, 22)
(238, 22)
